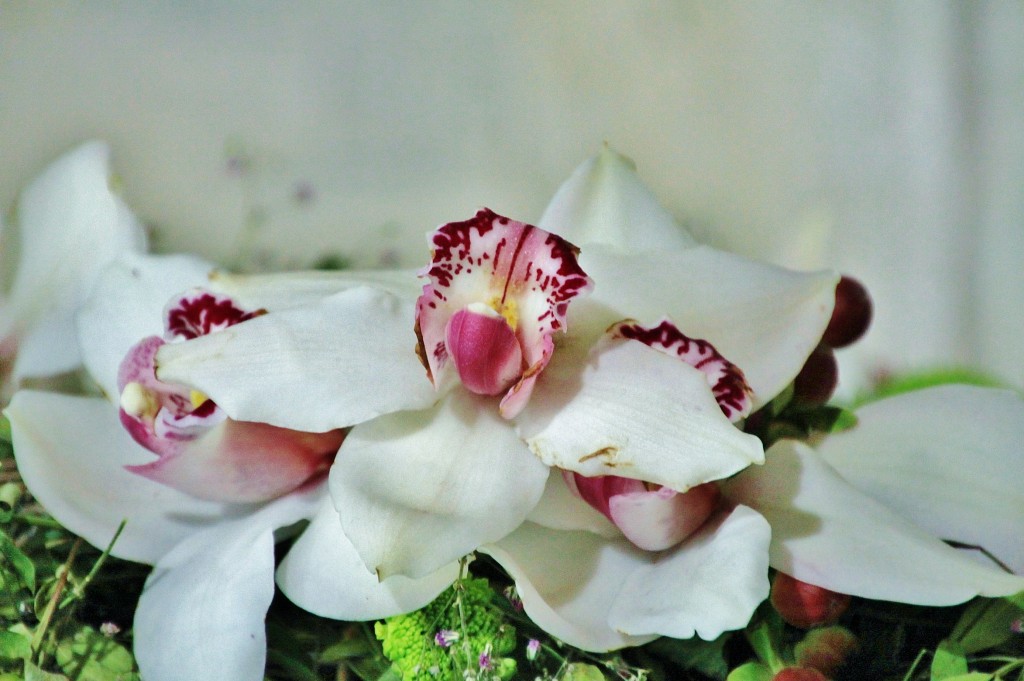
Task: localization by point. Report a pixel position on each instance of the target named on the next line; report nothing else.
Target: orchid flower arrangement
(569, 399)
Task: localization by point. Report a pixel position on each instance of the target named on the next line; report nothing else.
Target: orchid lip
(497, 291)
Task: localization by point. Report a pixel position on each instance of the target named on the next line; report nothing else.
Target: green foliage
(986, 623)
(905, 383)
(949, 661)
(479, 633)
(750, 671)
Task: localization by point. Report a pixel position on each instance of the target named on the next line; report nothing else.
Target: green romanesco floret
(442, 641)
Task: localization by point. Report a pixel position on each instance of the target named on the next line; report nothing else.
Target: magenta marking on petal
(726, 379)
(198, 313)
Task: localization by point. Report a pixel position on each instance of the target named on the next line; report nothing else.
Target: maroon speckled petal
(200, 312)
(726, 379)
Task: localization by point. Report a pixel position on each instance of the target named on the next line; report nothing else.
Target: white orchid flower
(524, 369)
(70, 225)
(206, 510)
(869, 511)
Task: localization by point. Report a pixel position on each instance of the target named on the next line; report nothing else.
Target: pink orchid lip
(200, 450)
(652, 517)
(484, 349)
(486, 274)
(727, 381)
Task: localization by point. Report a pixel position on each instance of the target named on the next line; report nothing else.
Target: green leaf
(927, 379)
(845, 420)
(34, 673)
(1017, 599)
(706, 657)
(91, 656)
(16, 644)
(344, 650)
(751, 671)
(949, 661)
(5, 429)
(986, 623)
(583, 672)
(21, 563)
(970, 676)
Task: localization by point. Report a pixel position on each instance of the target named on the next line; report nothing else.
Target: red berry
(805, 605)
(818, 377)
(851, 315)
(799, 674)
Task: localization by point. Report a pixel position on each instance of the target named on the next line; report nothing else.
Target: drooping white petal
(202, 611)
(341, 361)
(70, 226)
(827, 533)
(947, 458)
(127, 305)
(323, 574)
(710, 584)
(417, 490)
(279, 291)
(632, 411)
(71, 452)
(604, 202)
(762, 318)
(569, 582)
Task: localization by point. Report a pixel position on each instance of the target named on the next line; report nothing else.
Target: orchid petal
(345, 590)
(71, 225)
(417, 490)
(764, 319)
(604, 202)
(708, 585)
(826, 533)
(344, 360)
(279, 291)
(560, 509)
(725, 378)
(660, 519)
(570, 581)
(634, 412)
(947, 458)
(127, 305)
(244, 462)
(202, 611)
(71, 452)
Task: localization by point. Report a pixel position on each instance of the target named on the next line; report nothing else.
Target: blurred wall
(882, 138)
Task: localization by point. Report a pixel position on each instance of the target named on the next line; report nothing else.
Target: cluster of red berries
(851, 317)
(807, 606)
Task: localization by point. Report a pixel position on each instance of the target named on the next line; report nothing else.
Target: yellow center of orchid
(507, 309)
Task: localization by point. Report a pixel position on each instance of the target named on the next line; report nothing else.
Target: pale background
(883, 138)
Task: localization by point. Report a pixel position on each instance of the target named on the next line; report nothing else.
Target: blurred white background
(885, 139)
